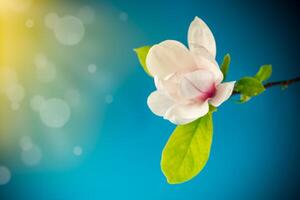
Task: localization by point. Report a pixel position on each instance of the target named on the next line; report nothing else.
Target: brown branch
(277, 83)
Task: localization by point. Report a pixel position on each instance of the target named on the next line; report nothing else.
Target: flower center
(203, 96)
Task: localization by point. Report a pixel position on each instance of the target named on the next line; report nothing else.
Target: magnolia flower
(187, 80)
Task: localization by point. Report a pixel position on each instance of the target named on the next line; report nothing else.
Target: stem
(277, 83)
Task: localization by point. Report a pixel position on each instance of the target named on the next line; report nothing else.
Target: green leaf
(264, 73)
(212, 108)
(187, 150)
(244, 98)
(225, 65)
(249, 86)
(142, 54)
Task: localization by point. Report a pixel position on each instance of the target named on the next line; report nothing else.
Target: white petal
(185, 113)
(204, 57)
(169, 57)
(164, 84)
(202, 51)
(158, 83)
(204, 62)
(223, 92)
(159, 103)
(199, 35)
(170, 86)
(196, 83)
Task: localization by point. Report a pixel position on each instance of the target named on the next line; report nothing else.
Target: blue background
(255, 151)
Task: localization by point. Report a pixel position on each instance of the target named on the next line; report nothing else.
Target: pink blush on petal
(203, 96)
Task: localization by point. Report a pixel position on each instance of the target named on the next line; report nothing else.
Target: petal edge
(224, 91)
(159, 103)
(199, 35)
(169, 57)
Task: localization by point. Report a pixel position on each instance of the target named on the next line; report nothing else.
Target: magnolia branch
(283, 83)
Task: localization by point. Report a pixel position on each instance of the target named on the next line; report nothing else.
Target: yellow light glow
(14, 5)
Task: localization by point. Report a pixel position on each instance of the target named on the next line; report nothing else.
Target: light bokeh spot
(29, 23)
(26, 143)
(109, 98)
(123, 16)
(40, 60)
(8, 76)
(15, 5)
(69, 30)
(92, 68)
(77, 150)
(5, 175)
(15, 92)
(10, 86)
(55, 113)
(32, 156)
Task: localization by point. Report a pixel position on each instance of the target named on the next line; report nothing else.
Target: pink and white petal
(180, 121)
(158, 83)
(169, 87)
(223, 92)
(196, 83)
(169, 57)
(163, 84)
(159, 103)
(199, 35)
(209, 64)
(185, 113)
(201, 51)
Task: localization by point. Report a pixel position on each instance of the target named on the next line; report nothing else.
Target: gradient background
(255, 151)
